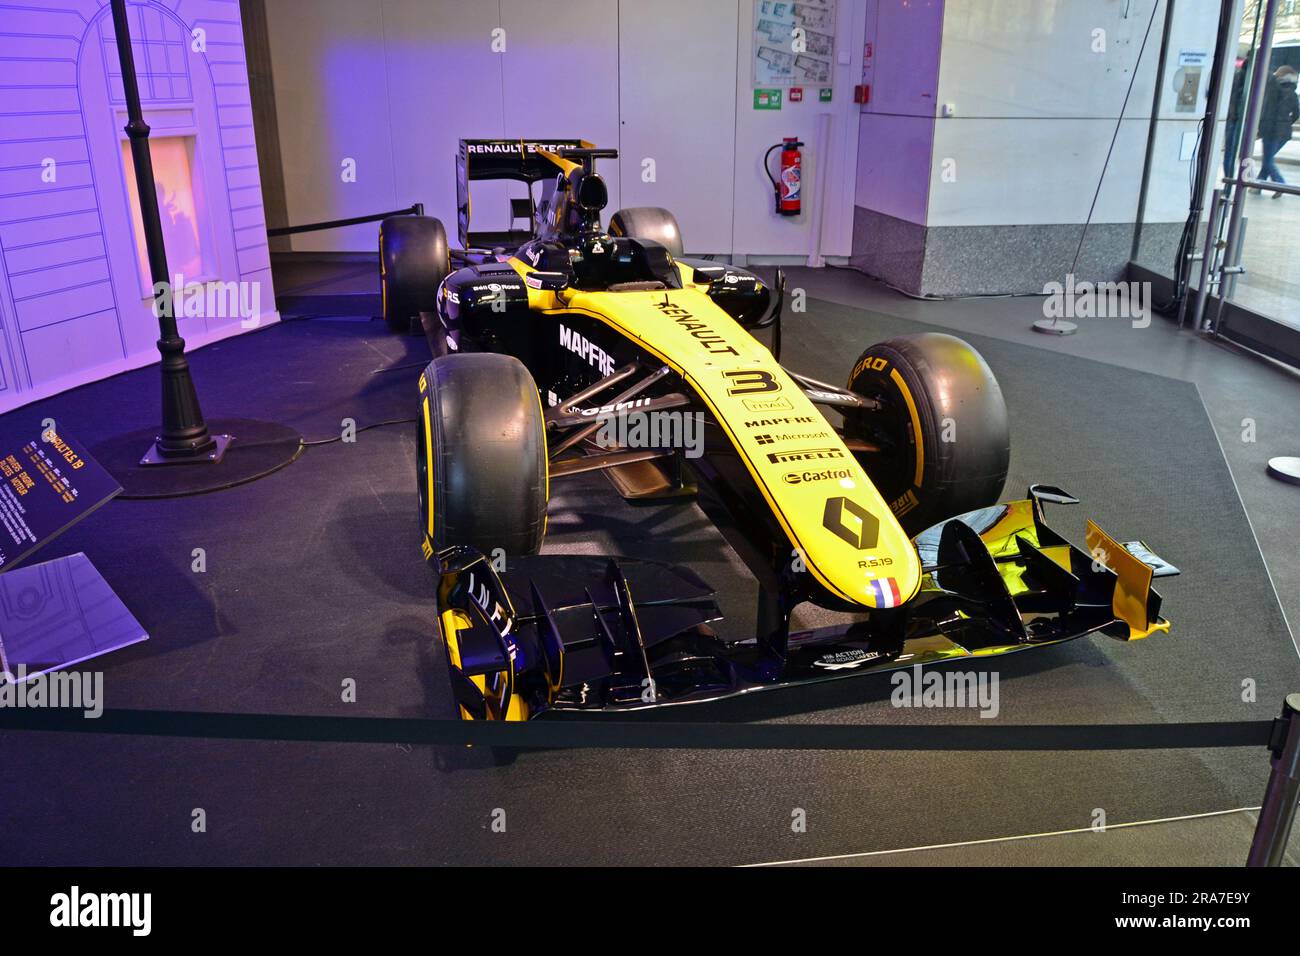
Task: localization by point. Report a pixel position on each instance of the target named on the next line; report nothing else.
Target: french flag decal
(885, 591)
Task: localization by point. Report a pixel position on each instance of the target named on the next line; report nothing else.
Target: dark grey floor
(313, 577)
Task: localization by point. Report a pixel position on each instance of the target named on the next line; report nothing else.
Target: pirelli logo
(902, 505)
(806, 454)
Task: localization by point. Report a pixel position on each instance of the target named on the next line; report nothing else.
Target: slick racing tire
(481, 455)
(649, 222)
(941, 428)
(413, 260)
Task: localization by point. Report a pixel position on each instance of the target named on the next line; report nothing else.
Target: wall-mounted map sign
(794, 42)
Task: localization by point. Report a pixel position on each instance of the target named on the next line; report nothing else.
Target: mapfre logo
(778, 422)
(592, 353)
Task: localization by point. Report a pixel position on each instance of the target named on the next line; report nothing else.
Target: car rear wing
(516, 159)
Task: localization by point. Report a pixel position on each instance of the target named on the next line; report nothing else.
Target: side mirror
(547, 281)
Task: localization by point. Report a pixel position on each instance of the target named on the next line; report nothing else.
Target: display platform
(312, 578)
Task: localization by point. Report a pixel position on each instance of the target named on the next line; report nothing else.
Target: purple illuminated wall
(901, 54)
(896, 131)
(74, 301)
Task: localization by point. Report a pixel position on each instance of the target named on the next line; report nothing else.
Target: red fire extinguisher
(787, 187)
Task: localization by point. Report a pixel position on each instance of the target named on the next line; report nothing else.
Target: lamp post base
(243, 450)
(1054, 327)
(211, 456)
(1285, 469)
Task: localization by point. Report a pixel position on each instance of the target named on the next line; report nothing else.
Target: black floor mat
(313, 578)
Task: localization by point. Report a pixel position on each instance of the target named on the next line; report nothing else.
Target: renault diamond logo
(850, 521)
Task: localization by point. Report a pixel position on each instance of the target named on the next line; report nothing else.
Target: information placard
(47, 484)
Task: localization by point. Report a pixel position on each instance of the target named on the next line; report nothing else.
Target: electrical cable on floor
(311, 442)
(364, 428)
(400, 368)
(303, 445)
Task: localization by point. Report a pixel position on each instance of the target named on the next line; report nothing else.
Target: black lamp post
(184, 438)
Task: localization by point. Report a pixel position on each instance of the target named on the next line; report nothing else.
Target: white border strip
(1008, 839)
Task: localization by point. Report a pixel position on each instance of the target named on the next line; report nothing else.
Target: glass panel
(1271, 221)
(1178, 138)
(172, 156)
(57, 614)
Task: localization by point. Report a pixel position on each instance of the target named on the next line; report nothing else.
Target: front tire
(481, 456)
(942, 428)
(414, 258)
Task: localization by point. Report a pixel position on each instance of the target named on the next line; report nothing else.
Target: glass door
(1258, 264)
(1231, 225)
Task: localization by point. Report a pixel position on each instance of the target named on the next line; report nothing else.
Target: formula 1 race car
(559, 349)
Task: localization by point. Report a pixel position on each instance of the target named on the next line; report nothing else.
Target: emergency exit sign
(767, 99)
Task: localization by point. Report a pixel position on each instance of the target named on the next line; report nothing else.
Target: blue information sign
(47, 483)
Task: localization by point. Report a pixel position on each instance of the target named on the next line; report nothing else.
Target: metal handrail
(1265, 184)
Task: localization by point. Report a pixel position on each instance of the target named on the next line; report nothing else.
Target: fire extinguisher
(787, 187)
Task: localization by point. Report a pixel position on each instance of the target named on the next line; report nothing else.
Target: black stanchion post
(1280, 797)
(184, 435)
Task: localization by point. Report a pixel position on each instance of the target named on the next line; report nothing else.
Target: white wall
(75, 304)
(1036, 107)
(393, 84)
(693, 162)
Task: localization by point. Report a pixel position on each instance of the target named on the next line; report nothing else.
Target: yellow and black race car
(570, 347)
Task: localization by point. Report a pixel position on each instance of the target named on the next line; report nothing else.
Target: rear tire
(481, 456)
(414, 258)
(942, 427)
(648, 222)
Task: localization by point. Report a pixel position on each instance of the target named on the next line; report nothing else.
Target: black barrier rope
(652, 735)
(414, 210)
